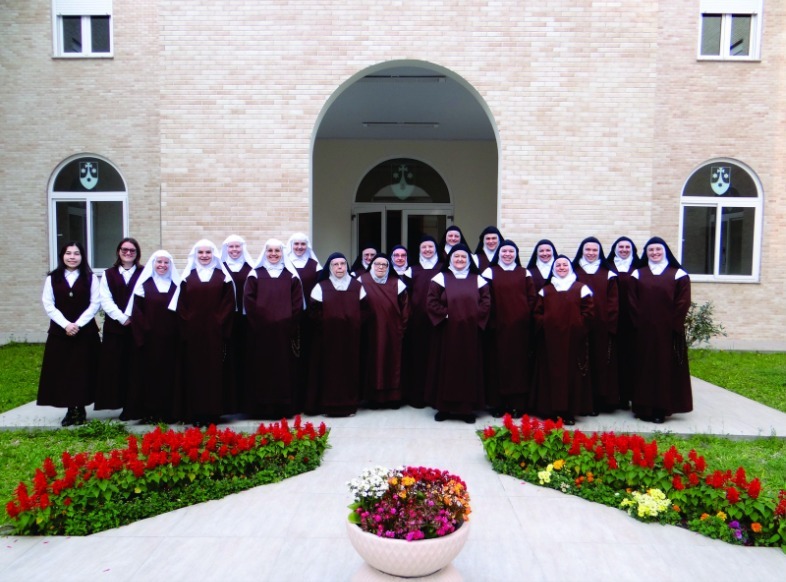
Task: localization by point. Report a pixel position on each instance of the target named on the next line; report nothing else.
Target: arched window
(721, 223)
(398, 201)
(88, 202)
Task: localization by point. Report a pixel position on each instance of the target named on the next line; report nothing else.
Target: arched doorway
(407, 118)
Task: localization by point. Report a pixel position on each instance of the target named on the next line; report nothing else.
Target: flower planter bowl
(407, 559)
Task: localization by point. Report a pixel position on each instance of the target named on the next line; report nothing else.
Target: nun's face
(235, 249)
(452, 237)
(299, 247)
(205, 255)
(459, 260)
(161, 265)
(655, 252)
(591, 251)
(380, 267)
(338, 268)
(562, 268)
(273, 254)
(368, 255)
(427, 249)
(623, 249)
(545, 253)
(399, 257)
(507, 255)
(491, 241)
(72, 258)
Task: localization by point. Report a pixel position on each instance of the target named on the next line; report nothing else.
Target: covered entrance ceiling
(406, 103)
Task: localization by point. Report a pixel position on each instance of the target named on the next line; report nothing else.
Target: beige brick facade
(209, 110)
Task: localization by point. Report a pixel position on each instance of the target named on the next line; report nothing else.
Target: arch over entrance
(409, 114)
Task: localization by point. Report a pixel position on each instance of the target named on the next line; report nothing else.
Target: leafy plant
(700, 327)
(86, 493)
(630, 472)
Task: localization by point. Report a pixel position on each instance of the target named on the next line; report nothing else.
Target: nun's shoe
(440, 416)
(81, 415)
(658, 419)
(468, 418)
(71, 417)
(569, 421)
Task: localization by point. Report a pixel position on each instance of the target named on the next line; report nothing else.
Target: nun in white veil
(152, 391)
(205, 302)
(562, 314)
(238, 262)
(273, 302)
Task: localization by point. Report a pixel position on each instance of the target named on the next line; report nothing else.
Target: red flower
(732, 495)
(740, 478)
(11, 509)
(539, 436)
(613, 463)
(507, 421)
(754, 488)
(322, 429)
(693, 479)
(676, 482)
(49, 468)
(488, 432)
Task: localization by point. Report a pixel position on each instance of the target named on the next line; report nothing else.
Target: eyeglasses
(380, 264)
(126, 251)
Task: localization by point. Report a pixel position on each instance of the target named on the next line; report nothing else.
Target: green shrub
(700, 327)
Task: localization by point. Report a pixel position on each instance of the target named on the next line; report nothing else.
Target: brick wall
(209, 109)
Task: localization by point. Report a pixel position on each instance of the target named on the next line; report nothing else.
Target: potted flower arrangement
(408, 521)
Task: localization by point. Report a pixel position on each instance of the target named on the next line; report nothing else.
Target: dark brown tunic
(562, 385)
(205, 314)
(273, 307)
(308, 277)
(459, 311)
(419, 337)
(509, 348)
(626, 339)
(659, 305)
(334, 381)
(69, 371)
(537, 278)
(236, 348)
(118, 353)
(155, 332)
(602, 338)
(383, 340)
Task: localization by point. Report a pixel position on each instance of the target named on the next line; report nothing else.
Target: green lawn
(755, 375)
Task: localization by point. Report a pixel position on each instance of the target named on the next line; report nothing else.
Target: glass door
(386, 225)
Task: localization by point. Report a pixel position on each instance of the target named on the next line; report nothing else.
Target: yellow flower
(402, 494)
(407, 481)
(393, 481)
(721, 515)
(559, 463)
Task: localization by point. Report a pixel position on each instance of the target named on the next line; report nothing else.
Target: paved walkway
(294, 530)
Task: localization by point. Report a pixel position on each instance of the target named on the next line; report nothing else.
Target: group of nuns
(460, 331)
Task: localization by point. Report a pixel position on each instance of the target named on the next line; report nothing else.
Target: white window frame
(88, 198)
(719, 202)
(728, 9)
(86, 9)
